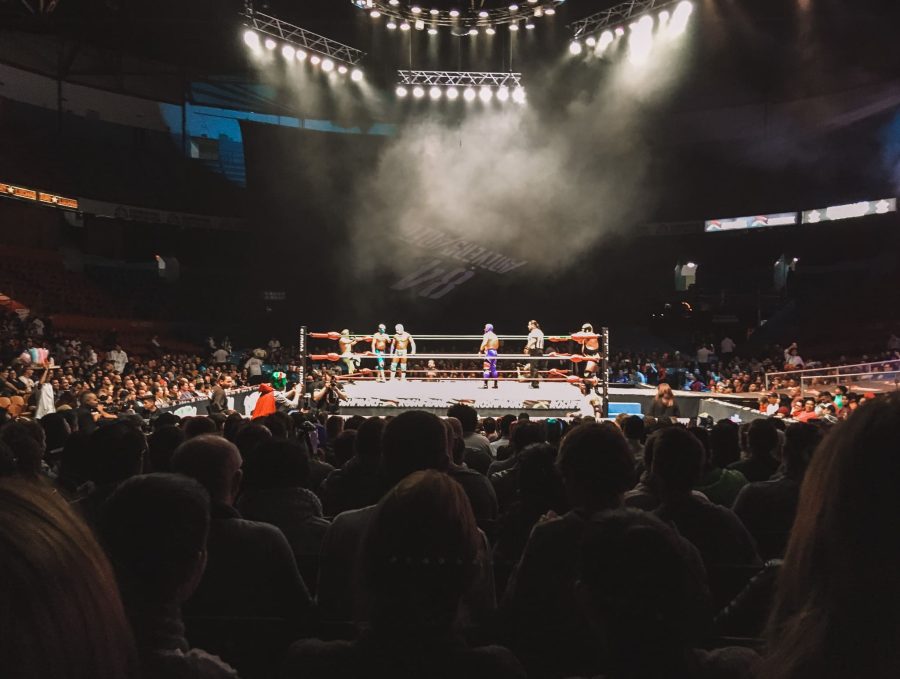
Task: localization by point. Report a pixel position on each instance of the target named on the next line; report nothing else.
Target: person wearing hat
(346, 344)
(379, 347)
(490, 343)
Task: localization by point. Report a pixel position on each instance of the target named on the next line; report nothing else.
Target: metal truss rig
(460, 79)
(474, 17)
(614, 15)
(309, 41)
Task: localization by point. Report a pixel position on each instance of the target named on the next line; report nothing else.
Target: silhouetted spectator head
(197, 426)
(539, 481)
(279, 424)
(456, 446)
(233, 424)
(118, 450)
(167, 420)
(835, 612)
(596, 465)
(60, 612)
(553, 431)
(154, 528)
(354, 422)
(161, 446)
(635, 586)
(277, 463)
(467, 416)
(421, 553)
(724, 444)
(26, 441)
(413, 441)
(250, 437)
(489, 424)
(344, 446)
(214, 462)
(334, 425)
(677, 460)
(800, 440)
(633, 428)
(56, 431)
(505, 423)
(762, 439)
(526, 433)
(368, 440)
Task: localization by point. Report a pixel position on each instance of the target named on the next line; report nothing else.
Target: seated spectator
(154, 528)
(502, 473)
(716, 532)
(413, 441)
(358, 483)
(197, 426)
(636, 587)
(767, 508)
(835, 612)
(546, 629)
(503, 430)
(26, 441)
(343, 448)
(251, 570)
(762, 445)
(478, 448)
(636, 435)
(334, 425)
(421, 554)
(806, 411)
(478, 489)
(274, 491)
(61, 616)
(719, 485)
(539, 492)
(161, 446)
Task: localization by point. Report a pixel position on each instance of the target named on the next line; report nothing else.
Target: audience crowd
(311, 545)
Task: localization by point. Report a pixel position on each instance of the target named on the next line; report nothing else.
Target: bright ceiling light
(503, 94)
(251, 39)
(356, 75)
(327, 65)
(315, 59)
(490, 30)
(270, 44)
(404, 26)
(342, 69)
(287, 52)
(486, 94)
(452, 93)
(432, 31)
(374, 14)
(470, 94)
(392, 24)
(518, 95)
(454, 13)
(418, 92)
(402, 91)
(301, 55)
(575, 48)
(435, 93)
(514, 27)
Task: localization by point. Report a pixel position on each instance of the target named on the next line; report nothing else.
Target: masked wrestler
(402, 345)
(490, 343)
(590, 347)
(379, 347)
(346, 344)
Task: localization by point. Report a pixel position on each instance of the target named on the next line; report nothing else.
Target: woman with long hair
(836, 611)
(664, 404)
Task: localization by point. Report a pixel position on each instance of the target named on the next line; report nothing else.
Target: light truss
(459, 79)
(300, 37)
(620, 14)
(460, 21)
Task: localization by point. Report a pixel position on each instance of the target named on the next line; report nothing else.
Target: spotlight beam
(595, 23)
(300, 37)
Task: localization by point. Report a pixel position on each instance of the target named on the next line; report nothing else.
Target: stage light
(270, 44)
(664, 17)
(529, 26)
(393, 3)
(374, 14)
(287, 52)
(435, 12)
(251, 38)
(432, 31)
(514, 27)
(691, 265)
(490, 30)
(483, 14)
(435, 93)
(680, 18)
(420, 24)
(486, 94)
(538, 12)
(620, 31)
(342, 69)
(452, 93)
(356, 75)
(301, 55)
(415, 9)
(640, 44)
(454, 13)
(549, 11)
(470, 94)
(591, 41)
(392, 24)
(404, 26)
(327, 65)
(473, 31)
(315, 60)
(518, 95)
(575, 48)
(418, 92)
(503, 94)
(402, 92)
(513, 8)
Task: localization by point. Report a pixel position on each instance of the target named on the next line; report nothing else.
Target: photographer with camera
(327, 395)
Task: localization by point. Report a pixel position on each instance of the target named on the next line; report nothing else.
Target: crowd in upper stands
(311, 545)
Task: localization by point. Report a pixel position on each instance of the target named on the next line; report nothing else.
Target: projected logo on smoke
(440, 274)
